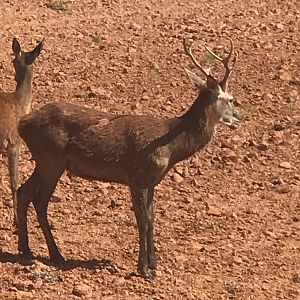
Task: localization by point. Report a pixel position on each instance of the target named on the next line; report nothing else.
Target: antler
(225, 62)
(188, 51)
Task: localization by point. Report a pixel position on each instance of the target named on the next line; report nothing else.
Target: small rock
(135, 27)
(285, 189)
(188, 200)
(23, 295)
(66, 212)
(158, 273)
(279, 26)
(270, 234)
(121, 86)
(155, 66)
(234, 215)
(214, 211)
(231, 288)
(136, 106)
(277, 181)
(99, 93)
(285, 76)
(278, 127)
(262, 147)
(297, 176)
(57, 5)
(296, 218)
(38, 265)
(237, 260)
(119, 281)
(293, 93)
(229, 155)
(278, 136)
(296, 277)
(177, 178)
(42, 276)
(23, 286)
(197, 246)
(285, 165)
(81, 290)
(113, 204)
(268, 96)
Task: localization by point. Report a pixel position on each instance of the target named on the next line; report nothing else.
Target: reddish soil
(227, 219)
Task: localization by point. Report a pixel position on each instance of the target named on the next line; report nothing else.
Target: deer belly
(97, 170)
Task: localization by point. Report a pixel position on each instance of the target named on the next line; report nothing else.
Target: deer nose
(234, 125)
(237, 115)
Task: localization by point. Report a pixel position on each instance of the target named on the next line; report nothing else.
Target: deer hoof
(148, 276)
(26, 253)
(152, 264)
(57, 259)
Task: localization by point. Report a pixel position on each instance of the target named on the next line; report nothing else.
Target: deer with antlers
(137, 151)
(13, 106)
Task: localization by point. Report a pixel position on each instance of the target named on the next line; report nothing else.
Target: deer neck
(24, 88)
(196, 133)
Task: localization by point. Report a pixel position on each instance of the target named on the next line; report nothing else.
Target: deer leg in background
(13, 153)
(25, 194)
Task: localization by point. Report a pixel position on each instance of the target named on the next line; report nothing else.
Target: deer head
(221, 102)
(24, 60)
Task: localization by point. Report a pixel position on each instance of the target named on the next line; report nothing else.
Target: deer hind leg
(25, 194)
(40, 203)
(13, 153)
(139, 199)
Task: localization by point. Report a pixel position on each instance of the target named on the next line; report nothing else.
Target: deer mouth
(232, 123)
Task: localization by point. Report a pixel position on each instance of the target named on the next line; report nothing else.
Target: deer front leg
(139, 200)
(13, 153)
(150, 243)
(24, 196)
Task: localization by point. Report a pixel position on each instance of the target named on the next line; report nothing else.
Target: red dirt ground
(228, 227)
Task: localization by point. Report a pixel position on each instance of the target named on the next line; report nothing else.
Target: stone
(285, 165)
(177, 178)
(82, 290)
(285, 76)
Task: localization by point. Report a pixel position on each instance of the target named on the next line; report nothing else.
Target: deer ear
(16, 47)
(32, 55)
(212, 83)
(196, 80)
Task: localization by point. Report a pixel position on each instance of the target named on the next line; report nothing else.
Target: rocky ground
(227, 219)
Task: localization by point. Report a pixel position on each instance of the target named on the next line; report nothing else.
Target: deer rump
(98, 146)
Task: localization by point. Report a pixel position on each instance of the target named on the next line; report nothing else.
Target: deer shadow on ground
(89, 264)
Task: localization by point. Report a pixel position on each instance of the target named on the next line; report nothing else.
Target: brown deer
(137, 151)
(14, 105)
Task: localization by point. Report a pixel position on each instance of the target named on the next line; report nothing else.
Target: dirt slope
(228, 227)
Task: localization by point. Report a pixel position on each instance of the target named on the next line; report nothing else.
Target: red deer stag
(137, 151)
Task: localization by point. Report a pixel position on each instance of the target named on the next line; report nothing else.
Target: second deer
(13, 106)
(137, 151)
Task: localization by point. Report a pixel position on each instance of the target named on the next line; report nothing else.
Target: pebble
(296, 277)
(177, 178)
(81, 290)
(285, 165)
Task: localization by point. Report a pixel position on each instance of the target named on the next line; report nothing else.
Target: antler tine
(225, 62)
(188, 51)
